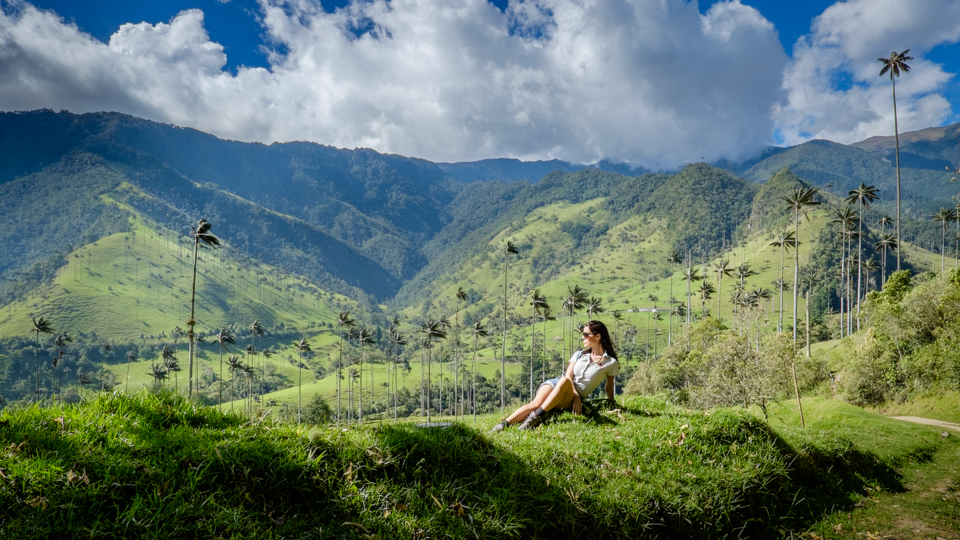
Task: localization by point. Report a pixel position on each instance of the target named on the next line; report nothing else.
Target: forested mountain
(384, 227)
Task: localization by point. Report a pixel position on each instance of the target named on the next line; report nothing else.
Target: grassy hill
(152, 465)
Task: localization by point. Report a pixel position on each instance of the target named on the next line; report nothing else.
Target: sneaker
(500, 427)
(532, 421)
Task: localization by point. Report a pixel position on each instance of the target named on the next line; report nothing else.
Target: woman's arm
(609, 387)
(577, 406)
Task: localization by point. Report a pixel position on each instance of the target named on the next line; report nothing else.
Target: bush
(317, 411)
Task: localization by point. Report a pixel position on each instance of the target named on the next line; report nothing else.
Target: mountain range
(384, 228)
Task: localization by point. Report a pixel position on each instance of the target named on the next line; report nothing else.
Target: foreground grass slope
(153, 466)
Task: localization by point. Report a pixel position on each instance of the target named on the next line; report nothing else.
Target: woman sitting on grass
(586, 370)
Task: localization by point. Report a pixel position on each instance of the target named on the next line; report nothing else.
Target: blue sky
(650, 82)
(234, 24)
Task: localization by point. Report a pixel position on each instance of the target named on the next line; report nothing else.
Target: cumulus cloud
(652, 82)
(834, 91)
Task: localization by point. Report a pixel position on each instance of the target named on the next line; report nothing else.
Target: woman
(586, 370)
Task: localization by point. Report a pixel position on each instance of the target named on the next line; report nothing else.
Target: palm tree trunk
(859, 259)
(191, 322)
(796, 272)
(896, 136)
(503, 343)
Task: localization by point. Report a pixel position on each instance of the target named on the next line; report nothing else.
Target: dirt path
(928, 422)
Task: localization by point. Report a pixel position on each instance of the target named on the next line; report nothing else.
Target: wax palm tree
(742, 273)
(721, 268)
(60, 341)
(159, 373)
(844, 218)
(396, 341)
(201, 235)
(537, 303)
(869, 266)
(894, 65)
(302, 346)
(256, 330)
(131, 357)
(234, 366)
(444, 324)
(508, 248)
(943, 216)
(169, 359)
(435, 330)
(863, 196)
(343, 320)
(364, 336)
(40, 326)
(594, 305)
(706, 292)
(798, 200)
(674, 258)
(223, 338)
(460, 296)
(478, 332)
(575, 300)
(690, 274)
(886, 242)
(784, 240)
(82, 380)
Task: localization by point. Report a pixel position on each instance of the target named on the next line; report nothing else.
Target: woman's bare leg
(561, 396)
(521, 414)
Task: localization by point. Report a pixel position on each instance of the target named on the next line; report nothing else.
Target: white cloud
(834, 90)
(652, 82)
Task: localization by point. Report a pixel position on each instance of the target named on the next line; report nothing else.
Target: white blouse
(588, 375)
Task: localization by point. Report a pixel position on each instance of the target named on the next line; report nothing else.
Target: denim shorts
(552, 382)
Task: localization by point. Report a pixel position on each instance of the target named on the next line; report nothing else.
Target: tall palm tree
(721, 268)
(168, 358)
(40, 326)
(784, 240)
(61, 343)
(869, 266)
(460, 296)
(538, 303)
(844, 218)
(201, 235)
(444, 324)
(159, 373)
(798, 200)
(343, 320)
(396, 341)
(674, 258)
(478, 332)
(435, 331)
(302, 346)
(131, 357)
(706, 292)
(234, 366)
(894, 65)
(690, 274)
(943, 216)
(863, 195)
(223, 338)
(508, 248)
(364, 336)
(887, 242)
(256, 330)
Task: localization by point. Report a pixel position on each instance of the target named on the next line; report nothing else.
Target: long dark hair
(597, 327)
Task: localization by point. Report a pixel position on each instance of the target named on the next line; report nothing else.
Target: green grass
(153, 466)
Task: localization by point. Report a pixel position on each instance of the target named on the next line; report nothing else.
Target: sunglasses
(588, 335)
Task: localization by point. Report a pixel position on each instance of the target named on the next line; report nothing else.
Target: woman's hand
(577, 404)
